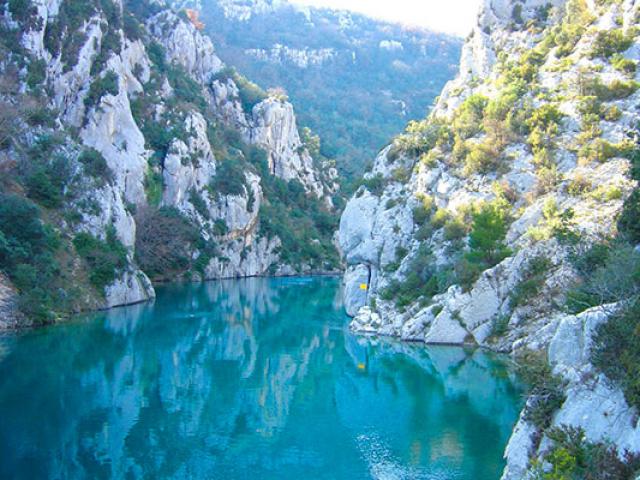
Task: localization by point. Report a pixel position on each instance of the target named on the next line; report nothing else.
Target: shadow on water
(255, 378)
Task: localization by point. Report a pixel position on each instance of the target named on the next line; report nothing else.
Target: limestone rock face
(272, 125)
(592, 402)
(132, 287)
(118, 98)
(356, 234)
(356, 284)
(188, 168)
(274, 128)
(112, 131)
(9, 313)
(378, 231)
(186, 46)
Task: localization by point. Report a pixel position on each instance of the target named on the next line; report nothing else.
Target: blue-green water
(256, 379)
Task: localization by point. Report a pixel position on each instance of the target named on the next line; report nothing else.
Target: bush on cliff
(105, 258)
(28, 250)
(616, 351)
(572, 456)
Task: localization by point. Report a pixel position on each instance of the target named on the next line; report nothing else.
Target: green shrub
(439, 218)
(486, 240)
(106, 85)
(153, 187)
(500, 325)
(489, 224)
(424, 279)
(616, 90)
(106, 258)
(609, 42)
(157, 55)
(250, 93)
(546, 390)
(601, 150)
(516, 13)
(229, 178)
(199, 204)
(610, 273)
(421, 214)
(41, 188)
(133, 30)
(185, 89)
(220, 227)
(616, 351)
(400, 175)
(579, 186)
(532, 281)
(27, 254)
(482, 158)
(455, 229)
(36, 73)
(572, 456)
(47, 173)
(629, 221)
(624, 65)
(467, 120)
(375, 184)
(96, 165)
(555, 223)
(418, 139)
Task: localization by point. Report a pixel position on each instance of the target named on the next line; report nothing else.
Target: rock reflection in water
(246, 378)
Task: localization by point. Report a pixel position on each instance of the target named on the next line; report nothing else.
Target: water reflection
(249, 378)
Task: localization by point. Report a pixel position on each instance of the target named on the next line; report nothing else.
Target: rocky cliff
(141, 155)
(479, 224)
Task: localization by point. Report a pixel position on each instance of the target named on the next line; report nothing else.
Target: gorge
(506, 220)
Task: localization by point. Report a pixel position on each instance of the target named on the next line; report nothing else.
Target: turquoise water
(246, 379)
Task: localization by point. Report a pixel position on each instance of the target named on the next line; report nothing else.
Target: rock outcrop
(9, 312)
(379, 232)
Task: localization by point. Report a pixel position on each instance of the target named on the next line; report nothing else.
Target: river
(247, 379)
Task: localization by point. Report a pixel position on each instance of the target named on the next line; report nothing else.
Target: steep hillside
(509, 219)
(355, 81)
(129, 152)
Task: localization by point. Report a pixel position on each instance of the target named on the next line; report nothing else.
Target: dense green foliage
(572, 456)
(106, 258)
(486, 243)
(302, 223)
(610, 42)
(229, 178)
(610, 273)
(629, 222)
(616, 350)
(106, 85)
(28, 249)
(362, 95)
(47, 172)
(304, 226)
(95, 165)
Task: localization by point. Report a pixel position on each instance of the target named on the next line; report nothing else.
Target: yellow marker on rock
(364, 286)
